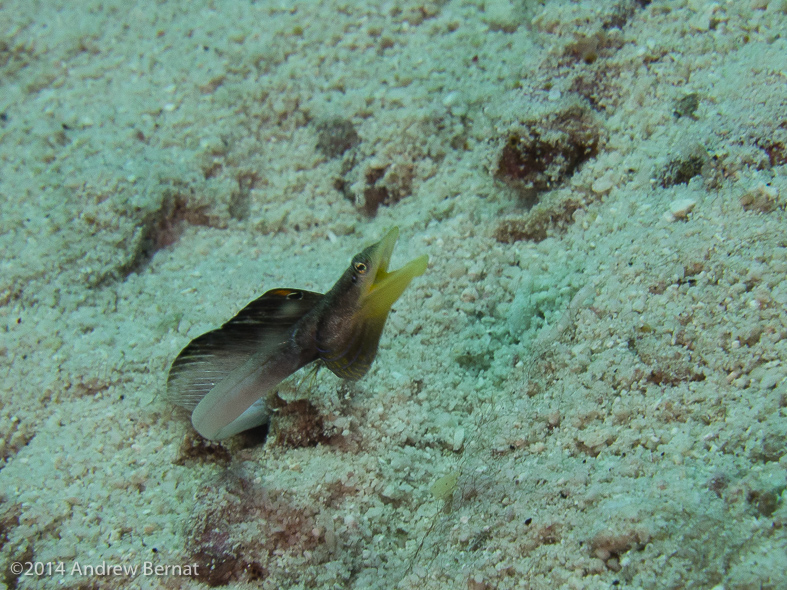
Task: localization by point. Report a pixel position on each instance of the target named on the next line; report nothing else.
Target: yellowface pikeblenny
(226, 375)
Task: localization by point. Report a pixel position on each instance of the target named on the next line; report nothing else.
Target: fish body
(226, 375)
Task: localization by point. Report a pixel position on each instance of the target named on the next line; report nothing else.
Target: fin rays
(262, 325)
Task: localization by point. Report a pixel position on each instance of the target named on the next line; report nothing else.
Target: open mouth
(387, 287)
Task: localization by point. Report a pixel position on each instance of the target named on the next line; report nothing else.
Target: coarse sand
(587, 389)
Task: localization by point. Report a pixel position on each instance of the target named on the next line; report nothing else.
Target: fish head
(354, 311)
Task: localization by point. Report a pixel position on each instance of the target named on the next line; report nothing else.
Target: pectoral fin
(258, 329)
(238, 402)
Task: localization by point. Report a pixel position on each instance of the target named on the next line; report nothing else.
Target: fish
(225, 377)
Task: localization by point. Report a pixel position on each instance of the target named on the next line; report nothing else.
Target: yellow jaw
(389, 286)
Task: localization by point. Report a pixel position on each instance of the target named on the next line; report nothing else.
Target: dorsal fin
(263, 324)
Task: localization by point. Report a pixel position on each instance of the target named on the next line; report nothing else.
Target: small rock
(501, 15)
(680, 208)
(763, 198)
(602, 185)
(456, 103)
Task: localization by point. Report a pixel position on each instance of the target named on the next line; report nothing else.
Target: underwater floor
(586, 389)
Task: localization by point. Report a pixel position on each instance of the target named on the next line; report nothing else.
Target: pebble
(680, 208)
(602, 185)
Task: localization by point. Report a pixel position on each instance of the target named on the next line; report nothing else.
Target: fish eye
(295, 295)
(360, 267)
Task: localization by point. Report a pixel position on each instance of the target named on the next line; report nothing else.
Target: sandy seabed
(588, 387)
